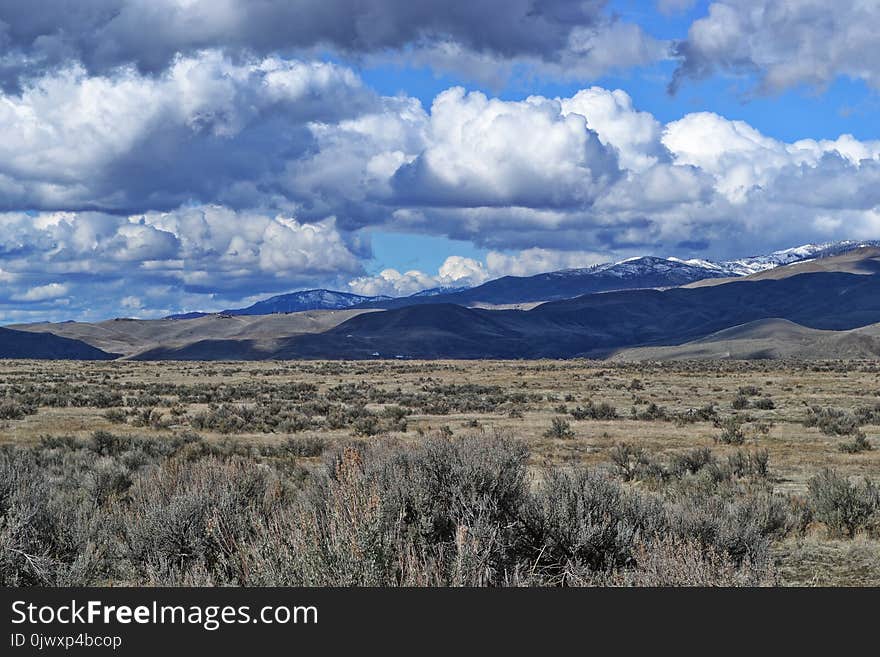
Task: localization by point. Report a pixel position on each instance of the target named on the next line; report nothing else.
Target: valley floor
(656, 428)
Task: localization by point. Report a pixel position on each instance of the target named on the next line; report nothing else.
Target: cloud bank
(480, 38)
(167, 155)
(232, 179)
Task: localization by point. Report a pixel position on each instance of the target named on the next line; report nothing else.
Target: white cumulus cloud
(43, 292)
(456, 271)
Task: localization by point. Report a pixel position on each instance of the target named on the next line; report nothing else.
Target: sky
(162, 156)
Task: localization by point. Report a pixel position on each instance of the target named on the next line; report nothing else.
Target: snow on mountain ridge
(754, 264)
(739, 267)
(655, 270)
(304, 300)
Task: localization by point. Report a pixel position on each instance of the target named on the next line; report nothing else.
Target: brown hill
(768, 339)
(131, 336)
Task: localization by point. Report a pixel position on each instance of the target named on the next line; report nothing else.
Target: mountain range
(294, 302)
(644, 307)
(632, 273)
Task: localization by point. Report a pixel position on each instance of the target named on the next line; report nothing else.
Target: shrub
(740, 402)
(868, 414)
(703, 414)
(740, 526)
(845, 508)
(731, 431)
(559, 428)
(116, 415)
(670, 561)
(582, 522)
(187, 515)
(858, 444)
(749, 464)
(108, 444)
(305, 445)
(600, 411)
(691, 462)
(444, 511)
(652, 412)
(108, 479)
(764, 404)
(832, 421)
(633, 462)
(10, 409)
(367, 425)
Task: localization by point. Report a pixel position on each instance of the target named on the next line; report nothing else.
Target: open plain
(656, 429)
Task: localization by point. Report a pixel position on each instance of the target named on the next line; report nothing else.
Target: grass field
(641, 425)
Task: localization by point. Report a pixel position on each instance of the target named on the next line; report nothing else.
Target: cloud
(224, 178)
(591, 51)
(634, 135)
(206, 130)
(167, 259)
(228, 251)
(786, 43)
(487, 152)
(571, 38)
(536, 260)
(132, 302)
(43, 292)
(456, 271)
(284, 138)
(742, 160)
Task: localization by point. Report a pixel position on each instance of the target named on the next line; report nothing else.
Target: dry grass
(541, 391)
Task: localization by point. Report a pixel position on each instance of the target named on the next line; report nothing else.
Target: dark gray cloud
(104, 34)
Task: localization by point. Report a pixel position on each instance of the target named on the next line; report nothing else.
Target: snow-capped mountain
(631, 273)
(754, 264)
(672, 269)
(642, 266)
(304, 300)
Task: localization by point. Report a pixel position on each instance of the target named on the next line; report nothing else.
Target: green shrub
(11, 409)
(446, 510)
(116, 415)
(731, 431)
(858, 444)
(559, 428)
(632, 462)
(832, 421)
(600, 411)
(652, 412)
(844, 507)
(740, 402)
